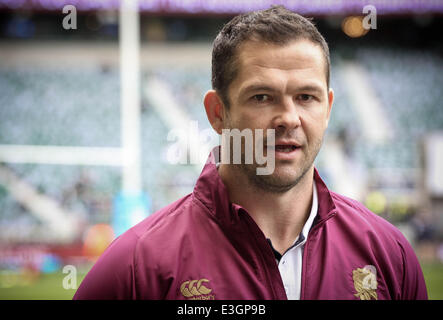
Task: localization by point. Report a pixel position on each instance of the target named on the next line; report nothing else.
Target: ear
(214, 110)
(330, 102)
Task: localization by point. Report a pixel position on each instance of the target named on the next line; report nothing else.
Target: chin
(282, 180)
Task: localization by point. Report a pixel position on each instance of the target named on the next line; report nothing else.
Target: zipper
(314, 229)
(264, 252)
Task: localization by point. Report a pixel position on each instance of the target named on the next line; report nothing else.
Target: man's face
(282, 88)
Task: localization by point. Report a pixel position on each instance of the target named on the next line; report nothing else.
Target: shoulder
(360, 217)
(370, 232)
(114, 274)
(164, 217)
(381, 243)
(165, 224)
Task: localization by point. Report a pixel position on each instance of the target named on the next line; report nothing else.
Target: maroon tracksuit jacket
(204, 247)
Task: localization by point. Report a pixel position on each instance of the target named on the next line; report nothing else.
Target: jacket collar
(212, 192)
(326, 204)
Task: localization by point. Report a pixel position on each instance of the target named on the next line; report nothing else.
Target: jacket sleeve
(112, 276)
(413, 285)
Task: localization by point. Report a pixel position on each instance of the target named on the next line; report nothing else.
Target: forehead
(299, 61)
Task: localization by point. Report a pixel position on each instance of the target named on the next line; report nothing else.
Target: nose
(287, 116)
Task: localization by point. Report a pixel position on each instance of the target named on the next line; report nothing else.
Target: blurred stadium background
(64, 124)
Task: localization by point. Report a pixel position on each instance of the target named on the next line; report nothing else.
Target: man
(243, 235)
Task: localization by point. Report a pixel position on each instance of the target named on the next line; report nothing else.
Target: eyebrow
(256, 87)
(259, 87)
(311, 88)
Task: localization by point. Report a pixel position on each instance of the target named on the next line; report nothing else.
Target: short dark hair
(276, 25)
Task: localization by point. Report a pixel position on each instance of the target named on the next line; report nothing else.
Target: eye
(305, 97)
(261, 97)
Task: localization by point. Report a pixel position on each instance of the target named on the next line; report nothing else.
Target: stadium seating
(82, 108)
(409, 86)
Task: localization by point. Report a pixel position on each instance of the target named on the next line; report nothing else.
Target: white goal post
(128, 156)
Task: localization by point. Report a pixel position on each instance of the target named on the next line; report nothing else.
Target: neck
(281, 216)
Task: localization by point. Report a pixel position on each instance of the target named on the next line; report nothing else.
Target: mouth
(286, 148)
